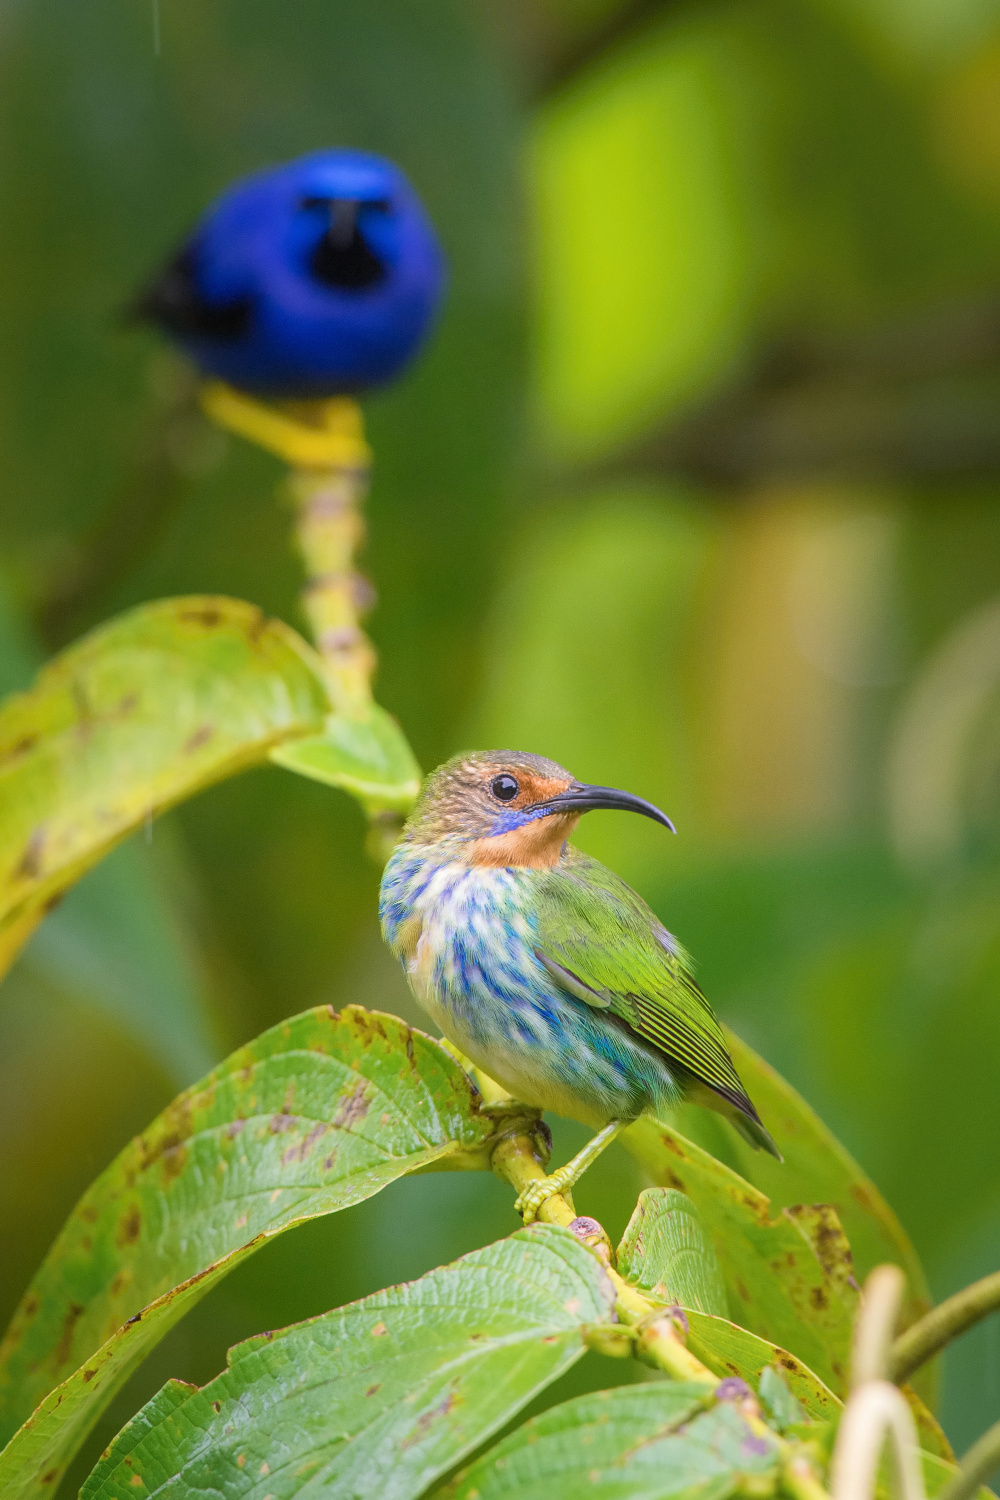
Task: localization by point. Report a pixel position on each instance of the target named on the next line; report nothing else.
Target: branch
(876, 1324)
(976, 1467)
(516, 1160)
(911, 398)
(874, 1411)
(942, 1324)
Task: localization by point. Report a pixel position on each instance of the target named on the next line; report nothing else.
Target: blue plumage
(317, 278)
(479, 977)
(541, 965)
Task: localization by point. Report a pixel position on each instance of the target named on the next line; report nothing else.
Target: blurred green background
(697, 491)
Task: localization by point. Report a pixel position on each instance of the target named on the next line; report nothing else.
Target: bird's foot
(543, 1188)
(537, 1193)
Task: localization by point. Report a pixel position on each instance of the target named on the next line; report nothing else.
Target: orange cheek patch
(536, 846)
(537, 789)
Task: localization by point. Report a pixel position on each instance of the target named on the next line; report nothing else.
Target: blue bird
(541, 965)
(318, 278)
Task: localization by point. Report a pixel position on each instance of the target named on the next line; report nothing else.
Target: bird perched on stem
(541, 965)
(317, 278)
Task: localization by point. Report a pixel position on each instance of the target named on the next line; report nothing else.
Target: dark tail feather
(175, 302)
(754, 1133)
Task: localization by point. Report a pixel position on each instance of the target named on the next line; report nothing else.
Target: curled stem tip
(875, 1411)
(876, 1324)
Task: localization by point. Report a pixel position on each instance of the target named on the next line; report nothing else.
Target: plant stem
(942, 1324)
(323, 443)
(329, 529)
(515, 1160)
(976, 1467)
(657, 1340)
(876, 1324)
(798, 1480)
(875, 1411)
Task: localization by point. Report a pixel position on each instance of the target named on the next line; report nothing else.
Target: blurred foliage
(696, 491)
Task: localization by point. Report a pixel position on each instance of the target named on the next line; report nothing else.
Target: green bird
(541, 965)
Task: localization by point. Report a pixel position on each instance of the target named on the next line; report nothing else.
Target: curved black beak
(580, 798)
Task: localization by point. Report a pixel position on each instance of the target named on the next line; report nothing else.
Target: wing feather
(602, 943)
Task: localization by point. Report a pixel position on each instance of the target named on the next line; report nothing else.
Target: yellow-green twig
(942, 1324)
(655, 1334)
(982, 1459)
(323, 443)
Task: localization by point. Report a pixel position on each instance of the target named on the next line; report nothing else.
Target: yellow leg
(536, 1193)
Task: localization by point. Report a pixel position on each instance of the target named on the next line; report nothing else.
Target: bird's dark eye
(505, 788)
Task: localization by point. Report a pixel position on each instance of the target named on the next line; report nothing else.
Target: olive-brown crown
(483, 793)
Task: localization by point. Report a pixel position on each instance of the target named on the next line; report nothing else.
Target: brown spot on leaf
(89, 1374)
(299, 1150)
(128, 704)
(19, 748)
(129, 1226)
(423, 1422)
(256, 627)
(207, 617)
(823, 1229)
(234, 1127)
(73, 1316)
(742, 1290)
(380, 1330)
(195, 741)
(372, 1389)
(29, 866)
(50, 1475)
(280, 1123)
(352, 1109)
(818, 1298)
(173, 1163)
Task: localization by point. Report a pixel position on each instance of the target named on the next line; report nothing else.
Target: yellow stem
(658, 1342)
(515, 1159)
(323, 443)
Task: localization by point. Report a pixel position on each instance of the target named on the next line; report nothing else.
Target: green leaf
(316, 1114)
(378, 1398)
(644, 1442)
(788, 1276)
(141, 713)
(818, 1169)
(728, 1349)
(667, 1253)
(784, 1409)
(367, 756)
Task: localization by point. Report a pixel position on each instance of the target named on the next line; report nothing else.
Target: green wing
(601, 943)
